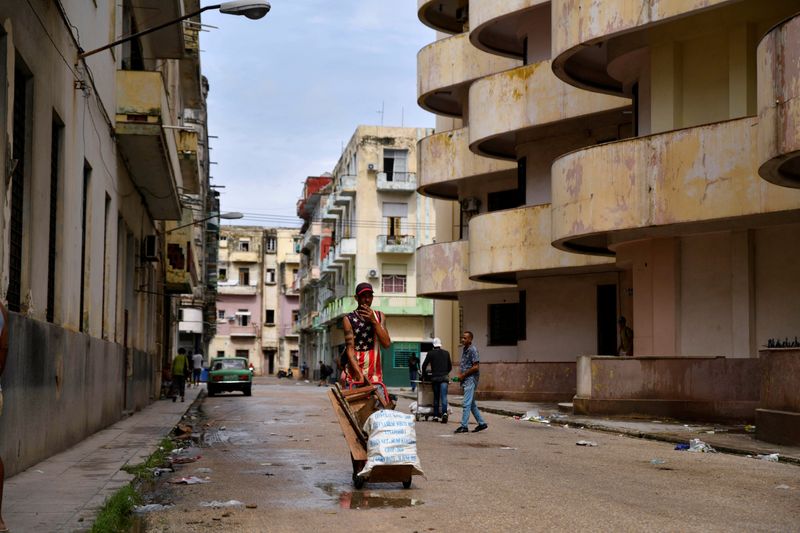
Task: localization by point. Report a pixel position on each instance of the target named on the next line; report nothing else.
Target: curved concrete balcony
(446, 67)
(677, 183)
(779, 104)
(443, 271)
(442, 15)
(517, 242)
(529, 103)
(497, 26)
(588, 35)
(446, 159)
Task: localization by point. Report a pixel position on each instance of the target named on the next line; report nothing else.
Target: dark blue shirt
(469, 356)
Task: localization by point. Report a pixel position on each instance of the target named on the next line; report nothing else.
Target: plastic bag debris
(681, 447)
(150, 508)
(392, 441)
(771, 457)
(696, 445)
(191, 480)
(585, 443)
(657, 461)
(422, 410)
(158, 471)
(534, 416)
(185, 460)
(217, 504)
(783, 487)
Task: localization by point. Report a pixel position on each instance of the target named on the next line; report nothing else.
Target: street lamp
(252, 9)
(233, 215)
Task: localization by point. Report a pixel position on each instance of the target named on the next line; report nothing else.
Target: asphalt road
(282, 454)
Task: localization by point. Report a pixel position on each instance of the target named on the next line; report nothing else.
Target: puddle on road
(349, 499)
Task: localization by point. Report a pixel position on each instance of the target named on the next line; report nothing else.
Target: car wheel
(248, 391)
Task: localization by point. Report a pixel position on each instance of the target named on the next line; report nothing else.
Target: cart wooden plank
(357, 448)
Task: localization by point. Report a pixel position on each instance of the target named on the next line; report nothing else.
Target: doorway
(606, 320)
(269, 355)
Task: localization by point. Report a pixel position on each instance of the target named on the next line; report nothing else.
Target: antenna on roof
(380, 112)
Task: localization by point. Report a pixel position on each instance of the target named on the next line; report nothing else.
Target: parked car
(229, 374)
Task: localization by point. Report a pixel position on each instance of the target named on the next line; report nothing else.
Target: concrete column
(743, 323)
(655, 270)
(666, 91)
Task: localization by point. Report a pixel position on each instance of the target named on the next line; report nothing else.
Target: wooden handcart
(353, 408)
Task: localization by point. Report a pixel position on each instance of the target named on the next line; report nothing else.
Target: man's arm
(349, 339)
(380, 329)
(449, 362)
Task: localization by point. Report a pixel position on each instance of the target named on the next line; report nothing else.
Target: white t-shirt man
(197, 361)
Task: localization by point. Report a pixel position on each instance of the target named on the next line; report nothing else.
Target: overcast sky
(288, 90)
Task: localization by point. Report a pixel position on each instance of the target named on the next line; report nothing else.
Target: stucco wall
(561, 316)
(475, 318)
(679, 387)
(527, 382)
(60, 387)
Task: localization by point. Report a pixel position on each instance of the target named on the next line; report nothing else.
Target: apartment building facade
(254, 306)
(100, 163)
(602, 161)
(366, 224)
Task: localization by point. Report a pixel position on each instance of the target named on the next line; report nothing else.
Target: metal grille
(17, 192)
(55, 148)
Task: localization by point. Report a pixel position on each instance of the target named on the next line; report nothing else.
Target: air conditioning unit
(150, 248)
(372, 273)
(470, 204)
(371, 167)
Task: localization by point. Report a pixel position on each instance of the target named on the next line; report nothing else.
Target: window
(393, 278)
(503, 324)
(221, 314)
(402, 352)
(243, 353)
(244, 246)
(297, 242)
(269, 277)
(395, 165)
(223, 274)
(394, 213)
(55, 159)
(295, 355)
(220, 353)
(269, 319)
(393, 283)
(295, 316)
(244, 276)
(223, 238)
(497, 201)
(242, 317)
(271, 243)
(22, 124)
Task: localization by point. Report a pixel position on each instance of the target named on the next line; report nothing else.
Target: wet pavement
(277, 461)
(281, 460)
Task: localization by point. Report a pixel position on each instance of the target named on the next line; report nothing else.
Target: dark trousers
(439, 398)
(179, 384)
(412, 377)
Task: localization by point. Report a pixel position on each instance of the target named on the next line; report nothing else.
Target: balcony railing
(233, 287)
(397, 181)
(396, 244)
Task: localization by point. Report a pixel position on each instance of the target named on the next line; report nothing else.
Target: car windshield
(237, 364)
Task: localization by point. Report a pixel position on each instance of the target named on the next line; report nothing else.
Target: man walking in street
(324, 373)
(197, 368)
(468, 377)
(413, 371)
(364, 335)
(180, 369)
(625, 338)
(438, 360)
(3, 354)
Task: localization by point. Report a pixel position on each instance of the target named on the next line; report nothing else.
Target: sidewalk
(723, 438)
(64, 492)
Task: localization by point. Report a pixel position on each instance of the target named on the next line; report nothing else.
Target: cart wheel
(417, 417)
(407, 483)
(358, 481)
(426, 418)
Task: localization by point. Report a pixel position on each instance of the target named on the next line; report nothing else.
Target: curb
(622, 431)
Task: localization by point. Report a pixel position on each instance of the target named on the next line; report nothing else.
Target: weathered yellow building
(605, 158)
(365, 223)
